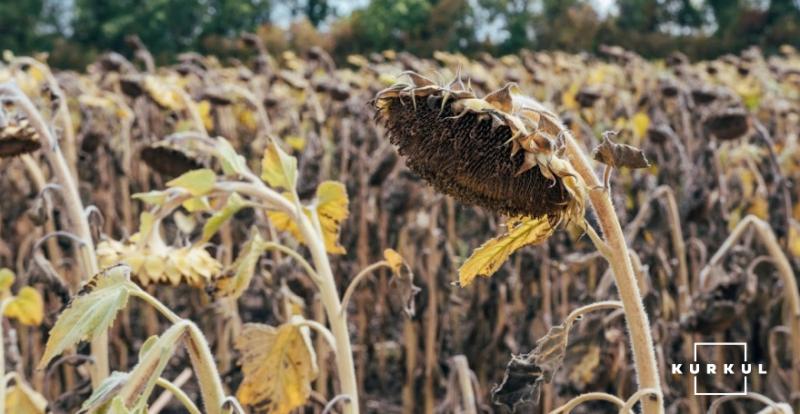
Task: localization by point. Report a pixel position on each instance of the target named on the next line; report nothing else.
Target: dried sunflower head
(171, 160)
(17, 137)
(501, 152)
(160, 263)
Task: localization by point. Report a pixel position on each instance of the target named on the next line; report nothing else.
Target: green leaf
(90, 313)
(234, 203)
(197, 182)
(278, 168)
(232, 163)
(155, 198)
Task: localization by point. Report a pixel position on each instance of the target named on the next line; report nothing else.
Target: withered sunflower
(501, 152)
(171, 160)
(17, 137)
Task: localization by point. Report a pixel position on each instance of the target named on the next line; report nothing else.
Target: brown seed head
(462, 146)
(17, 137)
(170, 160)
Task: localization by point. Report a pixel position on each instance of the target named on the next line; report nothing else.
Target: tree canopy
(74, 31)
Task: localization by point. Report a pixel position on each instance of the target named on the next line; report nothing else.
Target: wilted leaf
(487, 258)
(619, 155)
(526, 372)
(89, 313)
(394, 259)
(234, 203)
(332, 209)
(403, 280)
(278, 168)
(197, 182)
(164, 95)
(235, 280)
(583, 372)
(277, 367)
(27, 307)
(22, 399)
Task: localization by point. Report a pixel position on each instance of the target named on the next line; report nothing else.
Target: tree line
(73, 32)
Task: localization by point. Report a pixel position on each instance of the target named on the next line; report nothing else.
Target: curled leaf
(485, 260)
(403, 280)
(233, 282)
(332, 208)
(619, 155)
(526, 372)
(277, 367)
(278, 168)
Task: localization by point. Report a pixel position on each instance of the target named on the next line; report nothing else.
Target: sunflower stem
(620, 262)
(73, 206)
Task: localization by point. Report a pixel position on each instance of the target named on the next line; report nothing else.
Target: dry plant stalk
(73, 207)
(792, 295)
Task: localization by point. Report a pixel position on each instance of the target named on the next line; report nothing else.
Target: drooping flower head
(502, 152)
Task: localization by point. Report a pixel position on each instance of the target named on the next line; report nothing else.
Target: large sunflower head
(502, 152)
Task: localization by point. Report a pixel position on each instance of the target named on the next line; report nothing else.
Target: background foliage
(74, 31)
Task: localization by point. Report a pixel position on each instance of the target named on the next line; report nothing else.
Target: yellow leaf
(27, 307)
(197, 182)
(278, 168)
(794, 240)
(295, 142)
(485, 260)
(760, 208)
(394, 259)
(277, 366)
(640, 122)
(6, 279)
(332, 209)
(245, 116)
(204, 108)
(568, 97)
(22, 399)
(163, 94)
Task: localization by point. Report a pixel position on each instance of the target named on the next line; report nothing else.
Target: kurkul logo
(698, 368)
